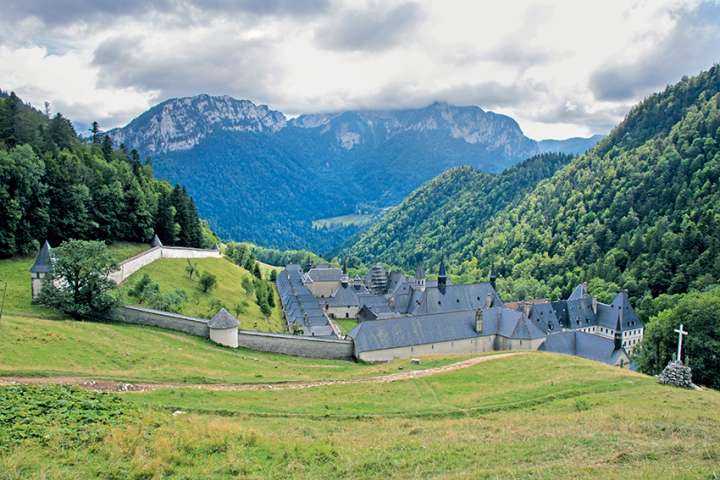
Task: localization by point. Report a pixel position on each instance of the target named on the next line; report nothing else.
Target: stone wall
(296, 345)
(265, 342)
(133, 264)
(157, 318)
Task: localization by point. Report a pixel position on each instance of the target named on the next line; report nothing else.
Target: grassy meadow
(170, 274)
(536, 416)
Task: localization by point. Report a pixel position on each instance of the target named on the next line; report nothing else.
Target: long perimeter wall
(133, 264)
(265, 342)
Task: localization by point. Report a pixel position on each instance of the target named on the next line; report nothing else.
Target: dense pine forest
(444, 215)
(639, 211)
(56, 186)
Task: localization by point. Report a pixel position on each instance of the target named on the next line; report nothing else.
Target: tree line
(56, 186)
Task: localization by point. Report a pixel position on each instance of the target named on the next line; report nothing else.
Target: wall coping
(293, 337)
(139, 255)
(167, 314)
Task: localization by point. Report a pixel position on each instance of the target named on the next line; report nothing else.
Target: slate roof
(452, 298)
(509, 324)
(344, 296)
(579, 292)
(324, 274)
(43, 261)
(543, 316)
(415, 330)
(301, 308)
(223, 320)
(155, 242)
(583, 344)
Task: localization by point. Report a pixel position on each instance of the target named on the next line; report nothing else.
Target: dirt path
(111, 386)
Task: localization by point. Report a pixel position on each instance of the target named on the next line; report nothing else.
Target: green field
(536, 416)
(170, 274)
(39, 347)
(529, 416)
(359, 220)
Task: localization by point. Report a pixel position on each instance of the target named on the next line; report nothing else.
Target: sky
(560, 68)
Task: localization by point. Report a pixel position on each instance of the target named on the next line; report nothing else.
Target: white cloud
(560, 68)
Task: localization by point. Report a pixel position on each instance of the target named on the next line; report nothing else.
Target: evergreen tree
(107, 148)
(95, 131)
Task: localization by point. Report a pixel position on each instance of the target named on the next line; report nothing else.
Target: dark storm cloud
(372, 29)
(56, 13)
(215, 65)
(691, 46)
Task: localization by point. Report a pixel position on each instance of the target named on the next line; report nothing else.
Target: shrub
(207, 281)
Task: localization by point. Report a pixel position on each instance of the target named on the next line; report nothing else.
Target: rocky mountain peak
(181, 123)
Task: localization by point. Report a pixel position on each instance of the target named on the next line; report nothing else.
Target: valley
(372, 158)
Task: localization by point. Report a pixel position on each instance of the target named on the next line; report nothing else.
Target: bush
(207, 281)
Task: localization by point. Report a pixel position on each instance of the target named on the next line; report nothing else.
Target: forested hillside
(444, 215)
(639, 211)
(55, 186)
(261, 177)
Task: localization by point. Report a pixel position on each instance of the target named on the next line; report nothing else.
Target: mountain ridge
(638, 211)
(261, 177)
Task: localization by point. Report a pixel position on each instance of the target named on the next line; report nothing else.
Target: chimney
(488, 300)
(479, 321)
(526, 309)
(493, 279)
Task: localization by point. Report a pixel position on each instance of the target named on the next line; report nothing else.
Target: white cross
(680, 333)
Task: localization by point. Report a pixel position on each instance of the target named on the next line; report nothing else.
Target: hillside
(536, 416)
(444, 214)
(638, 211)
(234, 291)
(55, 187)
(275, 172)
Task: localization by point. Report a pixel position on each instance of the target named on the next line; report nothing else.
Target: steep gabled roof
(222, 320)
(579, 292)
(410, 331)
(452, 298)
(509, 324)
(325, 274)
(43, 261)
(344, 296)
(583, 344)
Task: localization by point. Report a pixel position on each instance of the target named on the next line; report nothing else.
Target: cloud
(213, 61)
(60, 13)
(692, 45)
(372, 29)
(599, 119)
(488, 95)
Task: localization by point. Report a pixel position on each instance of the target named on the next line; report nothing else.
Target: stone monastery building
(401, 316)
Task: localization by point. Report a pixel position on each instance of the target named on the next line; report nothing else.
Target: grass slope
(537, 416)
(38, 347)
(16, 272)
(170, 274)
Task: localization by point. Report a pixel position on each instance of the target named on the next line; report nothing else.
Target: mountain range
(257, 175)
(640, 210)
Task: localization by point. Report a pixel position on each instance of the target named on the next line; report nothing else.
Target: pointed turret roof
(155, 242)
(420, 271)
(222, 320)
(43, 262)
(441, 272)
(579, 292)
